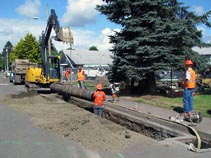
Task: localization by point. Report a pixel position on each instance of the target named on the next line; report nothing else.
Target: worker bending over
(115, 91)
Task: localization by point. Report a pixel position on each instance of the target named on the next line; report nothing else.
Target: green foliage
(54, 53)
(27, 48)
(3, 56)
(155, 34)
(93, 48)
(2, 62)
(202, 102)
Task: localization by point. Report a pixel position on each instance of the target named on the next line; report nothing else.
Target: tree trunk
(150, 83)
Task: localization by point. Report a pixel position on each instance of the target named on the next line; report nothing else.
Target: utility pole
(49, 40)
(7, 60)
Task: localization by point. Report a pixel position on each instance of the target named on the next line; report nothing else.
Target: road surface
(20, 139)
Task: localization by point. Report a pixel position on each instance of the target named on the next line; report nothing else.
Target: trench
(149, 131)
(145, 124)
(142, 126)
(206, 144)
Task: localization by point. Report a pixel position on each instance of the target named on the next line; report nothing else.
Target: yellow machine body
(206, 82)
(34, 75)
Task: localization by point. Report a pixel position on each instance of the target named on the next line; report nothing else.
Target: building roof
(86, 57)
(203, 51)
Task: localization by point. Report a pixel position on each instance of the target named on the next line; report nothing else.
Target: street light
(7, 60)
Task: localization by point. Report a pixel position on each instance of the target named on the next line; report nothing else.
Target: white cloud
(81, 12)
(84, 39)
(12, 30)
(202, 29)
(206, 34)
(78, 13)
(30, 8)
(199, 10)
(103, 40)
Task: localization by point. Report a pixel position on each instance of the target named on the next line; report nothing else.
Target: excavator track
(31, 88)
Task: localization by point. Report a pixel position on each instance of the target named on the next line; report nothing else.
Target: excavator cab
(54, 68)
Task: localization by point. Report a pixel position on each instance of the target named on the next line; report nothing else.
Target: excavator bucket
(65, 35)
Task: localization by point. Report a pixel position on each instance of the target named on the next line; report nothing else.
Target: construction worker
(81, 77)
(67, 74)
(115, 91)
(189, 83)
(99, 98)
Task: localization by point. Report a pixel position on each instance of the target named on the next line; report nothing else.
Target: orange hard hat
(99, 86)
(188, 62)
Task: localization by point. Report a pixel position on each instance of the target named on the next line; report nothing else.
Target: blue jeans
(188, 100)
(81, 84)
(98, 110)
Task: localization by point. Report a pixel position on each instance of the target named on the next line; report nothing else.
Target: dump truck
(18, 73)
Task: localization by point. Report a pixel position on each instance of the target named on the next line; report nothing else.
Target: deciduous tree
(27, 48)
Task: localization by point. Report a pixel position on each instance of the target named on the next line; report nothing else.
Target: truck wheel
(13, 80)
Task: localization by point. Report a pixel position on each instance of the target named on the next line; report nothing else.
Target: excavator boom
(63, 34)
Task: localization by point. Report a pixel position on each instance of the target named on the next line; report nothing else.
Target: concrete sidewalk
(128, 102)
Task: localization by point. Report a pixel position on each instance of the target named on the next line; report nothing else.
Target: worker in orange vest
(67, 74)
(81, 78)
(99, 98)
(189, 83)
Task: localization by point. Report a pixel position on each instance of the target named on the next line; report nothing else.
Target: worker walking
(99, 98)
(81, 78)
(189, 83)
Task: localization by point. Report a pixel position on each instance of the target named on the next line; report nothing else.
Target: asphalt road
(20, 139)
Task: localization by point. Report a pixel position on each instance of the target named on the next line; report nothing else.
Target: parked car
(93, 72)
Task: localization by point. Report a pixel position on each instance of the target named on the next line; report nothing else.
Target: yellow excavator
(49, 71)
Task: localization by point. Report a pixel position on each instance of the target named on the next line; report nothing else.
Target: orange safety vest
(81, 75)
(67, 74)
(99, 97)
(192, 82)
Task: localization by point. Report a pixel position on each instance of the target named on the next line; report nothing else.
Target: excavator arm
(63, 34)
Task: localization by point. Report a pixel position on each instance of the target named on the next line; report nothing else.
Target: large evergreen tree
(155, 34)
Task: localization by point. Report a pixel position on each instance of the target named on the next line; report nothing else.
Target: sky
(88, 26)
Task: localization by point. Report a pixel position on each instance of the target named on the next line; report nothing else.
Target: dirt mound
(55, 115)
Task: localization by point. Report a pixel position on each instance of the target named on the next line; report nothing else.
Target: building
(94, 63)
(86, 58)
(205, 52)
